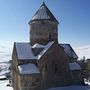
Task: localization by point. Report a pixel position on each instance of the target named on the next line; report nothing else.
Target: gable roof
(28, 69)
(43, 13)
(69, 51)
(24, 51)
(74, 66)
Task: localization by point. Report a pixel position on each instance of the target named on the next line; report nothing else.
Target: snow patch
(3, 76)
(44, 50)
(28, 69)
(38, 46)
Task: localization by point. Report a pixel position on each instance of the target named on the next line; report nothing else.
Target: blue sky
(73, 17)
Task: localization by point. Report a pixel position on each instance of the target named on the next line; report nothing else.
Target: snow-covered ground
(3, 85)
(4, 68)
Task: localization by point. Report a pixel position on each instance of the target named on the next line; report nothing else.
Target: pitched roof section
(28, 69)
(43, 13)
(74, 66)
(24, 51)
(69, 50)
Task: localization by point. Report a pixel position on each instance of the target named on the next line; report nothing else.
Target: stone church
(43, 62)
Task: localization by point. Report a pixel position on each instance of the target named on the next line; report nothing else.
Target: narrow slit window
(55, 68)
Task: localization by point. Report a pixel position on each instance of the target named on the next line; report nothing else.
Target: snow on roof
(74, 66)
(69, 51)
(28, 69)
(24, 51)
(2, 76)
(44, 50)
(37, 45)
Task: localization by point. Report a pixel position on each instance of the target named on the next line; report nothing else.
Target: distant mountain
(4, 68)
(83, 51)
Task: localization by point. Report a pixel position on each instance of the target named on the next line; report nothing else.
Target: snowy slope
(4, 68)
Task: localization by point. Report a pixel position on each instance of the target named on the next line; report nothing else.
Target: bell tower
(43, 26)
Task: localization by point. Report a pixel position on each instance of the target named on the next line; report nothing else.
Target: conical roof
(43, 13)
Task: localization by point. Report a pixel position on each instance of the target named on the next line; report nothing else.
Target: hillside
(4, 68)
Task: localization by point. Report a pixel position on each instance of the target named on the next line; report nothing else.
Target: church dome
(43, 13)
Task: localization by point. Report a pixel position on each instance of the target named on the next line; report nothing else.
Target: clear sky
(73, 17)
